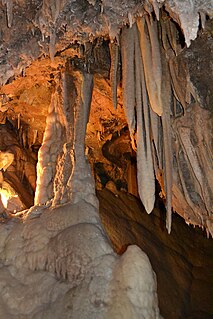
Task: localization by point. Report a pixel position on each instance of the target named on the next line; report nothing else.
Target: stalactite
(160, 144)
(52, 45)
(35, 134)
(128, 74)
(114, 52)
(155, 130)
(181, 90)
(192, 157)
(18, 120)
(172, 36)
(66, 114)
(9, 6)
(179, 94)
(185, 190)
(151, 85)
(145, 169)
(194, 163)
(164, 38)
(202, 19)
(156, 8)
(81, 184)
(24, 138)
(155, 54)
(169, 35)
(167, 146)
(130, 17)
(151, 64)
(82, 117)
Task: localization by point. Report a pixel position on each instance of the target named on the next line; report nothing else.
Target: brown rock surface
(182, 261)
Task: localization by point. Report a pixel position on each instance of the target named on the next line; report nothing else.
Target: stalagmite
(51, 143)
(55, 258)
(145, 170)
(151, 60)
(114, 52)
(128, 82)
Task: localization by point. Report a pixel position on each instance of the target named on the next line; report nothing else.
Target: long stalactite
(114, 54)
(128, 74)
(167, 146)
(147, 90)
(145, 170)
(151, 63)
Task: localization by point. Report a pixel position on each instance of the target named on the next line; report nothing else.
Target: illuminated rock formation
(98, 94)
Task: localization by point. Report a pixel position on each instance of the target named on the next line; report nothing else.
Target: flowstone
(58, 263)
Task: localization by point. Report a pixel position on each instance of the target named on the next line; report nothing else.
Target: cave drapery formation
(142, 49)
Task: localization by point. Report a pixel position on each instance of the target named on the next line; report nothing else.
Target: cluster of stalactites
(146, 100)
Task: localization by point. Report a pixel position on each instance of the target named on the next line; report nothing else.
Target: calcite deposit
(99, 94)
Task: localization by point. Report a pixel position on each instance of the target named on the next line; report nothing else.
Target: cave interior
(106, 172)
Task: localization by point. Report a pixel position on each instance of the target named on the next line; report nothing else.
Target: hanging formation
(146, 99)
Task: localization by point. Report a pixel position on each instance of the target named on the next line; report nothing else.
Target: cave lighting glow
(5, 196)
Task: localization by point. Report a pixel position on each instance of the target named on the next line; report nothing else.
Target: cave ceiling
(41, 39)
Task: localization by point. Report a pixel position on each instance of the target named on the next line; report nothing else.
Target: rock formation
(98, 94)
